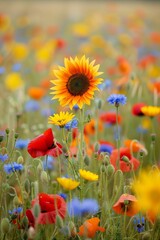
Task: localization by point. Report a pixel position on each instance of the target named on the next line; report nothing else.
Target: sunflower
(76, 82)
(61, 119)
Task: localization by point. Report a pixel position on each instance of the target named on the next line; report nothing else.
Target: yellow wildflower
(13, 81)
(68, 183)
(61, 119)
(148, 191)
(150, 111)
(87, 175)
(19, 51)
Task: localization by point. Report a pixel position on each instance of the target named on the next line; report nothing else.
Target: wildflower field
(79, 120)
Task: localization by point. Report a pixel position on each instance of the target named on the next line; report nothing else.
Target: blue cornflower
(63, 195)
(46, 112)
(106, 148)
(16, 67)
(3, 157)
(105, 85)
(2, 70)
(11, 167)
(16, 211)
(81, 208)
(21, 143)
(50, 163)
(141, 130)
(75, 107)
(71, 124)
(117, 99)
(139, 224)
(32, 106)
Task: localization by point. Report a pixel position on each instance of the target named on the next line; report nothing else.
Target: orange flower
(89, 128)
(36, 92)
(45, 84)
(127, 204)
(124, 66)
(90, 227)
(135, 145)
(155, 86)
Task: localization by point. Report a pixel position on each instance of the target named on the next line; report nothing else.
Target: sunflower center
(78, 84)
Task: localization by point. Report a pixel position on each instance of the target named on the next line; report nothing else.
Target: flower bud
(27, 185)
(5, 225)
(16, 201)
(96, 147)
(141, 153)
(20, 160)
(16, 135)
(153, 137)
(7, 131)
(25, 222)
(103, 168)
(59, 221)
(1, 139)
(31, 233)
(86, 160)
(110, 170)
(125, 159)
(36, 210)
(44, 177)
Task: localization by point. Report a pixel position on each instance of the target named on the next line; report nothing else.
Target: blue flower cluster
(21, 143)
(139, 224)
(12, 167)
(17, 210)
(117, 99)
(81, 208)
(71, 124)
(106, 148)
(3, 157)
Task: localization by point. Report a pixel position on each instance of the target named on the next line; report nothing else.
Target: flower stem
(80, 155)
(118, 140)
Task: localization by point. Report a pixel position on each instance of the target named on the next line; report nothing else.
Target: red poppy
(124, 166)
(136, 109)
(146, 61)
(127, 204)
(30, 217)
(51, 205)
(90, 227)
(44, 144)
(110, 118)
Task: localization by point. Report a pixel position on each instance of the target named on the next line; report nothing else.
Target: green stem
(81, 138)
(118, 140)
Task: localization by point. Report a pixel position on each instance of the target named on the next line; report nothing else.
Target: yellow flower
(150, 111)
(13, 81)
(87, 175)
(147, 190)
(61, 119)
(80, 30)
(76, 82)
(68, 183)
(19, 51)
(44, 53)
